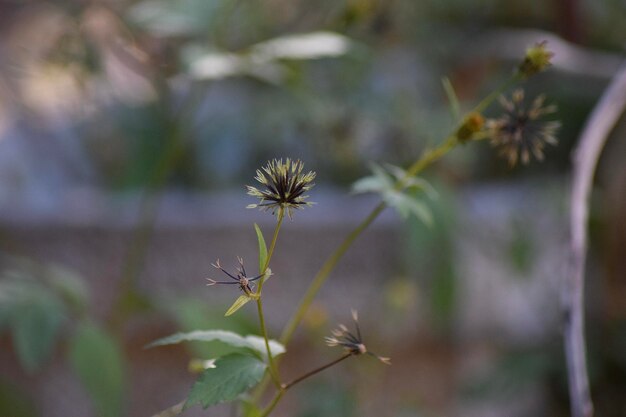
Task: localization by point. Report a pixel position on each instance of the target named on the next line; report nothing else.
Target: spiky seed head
(283, 186)
(519, 132)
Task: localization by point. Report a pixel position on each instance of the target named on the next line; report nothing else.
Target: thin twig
(315, 371)
(585, 159)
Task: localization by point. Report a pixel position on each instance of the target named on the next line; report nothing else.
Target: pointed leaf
(406, 205)
(452, 98)
(232, 375)
(369, 184)
(420, 210)
(262, 248)
(254, 343)
(97, 359)
(239, 302)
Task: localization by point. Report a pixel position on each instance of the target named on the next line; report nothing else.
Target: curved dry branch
(585, 159)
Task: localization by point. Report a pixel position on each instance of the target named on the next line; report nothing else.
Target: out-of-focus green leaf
(265, 60)
(241, 301)
(14, 403)
(408, 205)
(262, 248)
(232, 375)
(302, 46)
(452, 99)
(69, 285)
(35, 325)
(371, 184)
(402, 198)
(97, 360)
(174, 18)
(255, 344)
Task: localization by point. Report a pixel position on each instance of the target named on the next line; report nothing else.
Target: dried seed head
(519, 132)
(283, 186)
(352, 343)
(240, 277)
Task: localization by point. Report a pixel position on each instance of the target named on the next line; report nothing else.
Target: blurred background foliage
(127, 96)
(200, 86)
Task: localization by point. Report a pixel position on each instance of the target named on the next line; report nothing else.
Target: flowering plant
(283, 184)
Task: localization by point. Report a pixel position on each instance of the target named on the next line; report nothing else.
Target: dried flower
(352, 343)
(240, 278)
(537, 59)
(284, 186)
(519, 132)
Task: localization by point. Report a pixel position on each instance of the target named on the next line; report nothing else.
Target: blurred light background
(128, 130)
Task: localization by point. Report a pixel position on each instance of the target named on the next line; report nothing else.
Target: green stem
(485, 102)
(273, 369)
(316, 371)
(283, 388)
(273, 404)
(323, 273)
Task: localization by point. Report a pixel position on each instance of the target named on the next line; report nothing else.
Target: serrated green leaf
(97, 360)
(262, 248)
(254, 343)
(35, 323)
(232, 375)
(239, 302)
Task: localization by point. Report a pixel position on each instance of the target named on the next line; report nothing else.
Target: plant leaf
(239, 302)
(97, 360)
(407, 205)
(35, 325)
(232, 375)
(370, 184)
(254, 343)
(452, 99)
(262, 248)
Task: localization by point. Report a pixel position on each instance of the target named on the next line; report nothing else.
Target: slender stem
(592, 140)
(431, 156)
(273, 404)
(273, 369)
(283, 388)
(485, 102)
(323, 273)
(315, 371)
